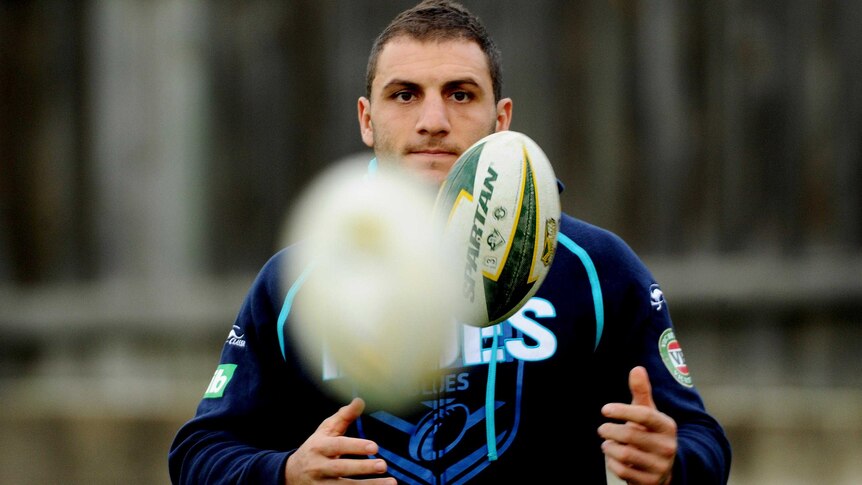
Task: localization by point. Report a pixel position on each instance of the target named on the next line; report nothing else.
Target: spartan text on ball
(469, 289)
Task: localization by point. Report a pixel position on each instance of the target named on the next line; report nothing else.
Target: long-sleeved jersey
(560, 358)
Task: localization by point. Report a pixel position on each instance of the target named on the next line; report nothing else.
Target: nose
(433, 117)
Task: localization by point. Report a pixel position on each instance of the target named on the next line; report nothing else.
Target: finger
(343, 445)
(370, 481)
(630, 456)
(623, 433)
(630, 475)
(632, 435)
(345, 467)
(657, 445)
(337, 424)
(640, 387)
(646, 418)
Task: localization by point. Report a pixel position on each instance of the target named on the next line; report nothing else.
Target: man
(604, 383)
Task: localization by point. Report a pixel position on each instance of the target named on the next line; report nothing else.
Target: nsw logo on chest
(445, 440)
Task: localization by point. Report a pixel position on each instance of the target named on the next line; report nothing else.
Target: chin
(433, 177)
(427, 172)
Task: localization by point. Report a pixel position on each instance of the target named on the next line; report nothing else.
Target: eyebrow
(449, 85)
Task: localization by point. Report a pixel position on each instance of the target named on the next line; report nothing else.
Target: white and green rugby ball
(501, 205)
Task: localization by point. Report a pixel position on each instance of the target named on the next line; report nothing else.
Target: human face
(429, 102)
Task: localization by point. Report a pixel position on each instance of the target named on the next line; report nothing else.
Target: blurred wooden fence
(150, 150)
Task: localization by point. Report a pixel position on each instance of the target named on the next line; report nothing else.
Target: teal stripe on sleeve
(288, 303)
(593, 276)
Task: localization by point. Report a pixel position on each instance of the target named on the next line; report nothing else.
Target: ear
(504, 114)
(365, 129)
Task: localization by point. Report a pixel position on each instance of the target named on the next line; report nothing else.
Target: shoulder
(614, 262)
(268, 289)
(270, 276)
(600, 244)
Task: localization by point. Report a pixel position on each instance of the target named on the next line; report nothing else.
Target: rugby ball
(500, 206)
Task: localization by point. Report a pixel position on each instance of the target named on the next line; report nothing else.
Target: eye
(461, 96)
(404, 96)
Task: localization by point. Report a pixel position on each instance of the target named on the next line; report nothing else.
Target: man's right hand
(319, 460)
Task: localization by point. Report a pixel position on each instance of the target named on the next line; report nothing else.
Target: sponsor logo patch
(220, 380)
(674, 360)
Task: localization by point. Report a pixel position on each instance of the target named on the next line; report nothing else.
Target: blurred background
(149, 151)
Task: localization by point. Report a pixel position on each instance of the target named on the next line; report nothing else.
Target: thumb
(640, 387)
(337, 424)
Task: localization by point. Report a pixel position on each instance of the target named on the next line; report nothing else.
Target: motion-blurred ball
(373, 307)
(501, 206)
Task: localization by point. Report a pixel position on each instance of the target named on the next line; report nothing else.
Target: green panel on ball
(514, 282)
(461, 178)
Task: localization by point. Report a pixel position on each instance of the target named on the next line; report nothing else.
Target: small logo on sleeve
(235, 338)
(656, 297)
(220, 380)
(671, 355)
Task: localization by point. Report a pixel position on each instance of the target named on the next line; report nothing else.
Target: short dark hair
(436, 20)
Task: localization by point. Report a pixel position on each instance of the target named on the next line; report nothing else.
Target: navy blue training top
(562, 356)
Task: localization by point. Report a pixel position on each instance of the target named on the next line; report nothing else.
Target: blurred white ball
(376, 306)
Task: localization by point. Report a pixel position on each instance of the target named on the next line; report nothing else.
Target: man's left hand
(642, 450)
